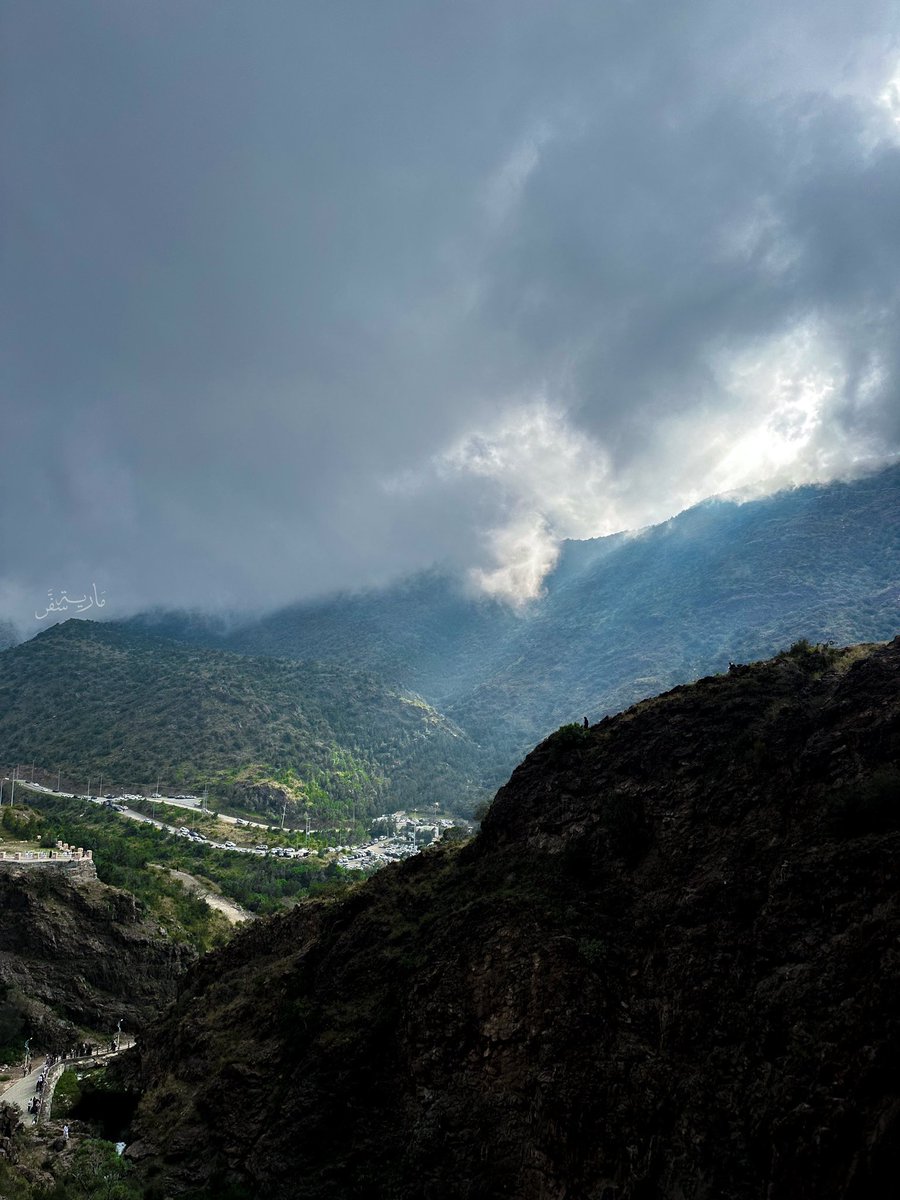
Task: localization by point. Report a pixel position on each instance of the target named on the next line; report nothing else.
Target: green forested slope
(85, 697)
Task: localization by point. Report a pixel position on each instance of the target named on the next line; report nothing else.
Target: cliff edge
(75, 953)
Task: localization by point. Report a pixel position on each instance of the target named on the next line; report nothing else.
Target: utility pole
(283, 813)
(89, 787)
(12, 787)
(100, 789)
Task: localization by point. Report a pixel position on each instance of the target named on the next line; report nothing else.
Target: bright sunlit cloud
(781, 394)
(549, 480)
(889, 97)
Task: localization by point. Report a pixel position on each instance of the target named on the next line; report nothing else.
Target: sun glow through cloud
(783, 392)
(374, 287)
(552, 480)
(889, 97)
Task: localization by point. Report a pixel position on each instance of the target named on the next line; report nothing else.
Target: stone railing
(62, 853)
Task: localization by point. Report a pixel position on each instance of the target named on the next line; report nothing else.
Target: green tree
(97, 1173)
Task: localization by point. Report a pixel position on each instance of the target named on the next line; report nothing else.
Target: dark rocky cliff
(668, 967)
(75, 953)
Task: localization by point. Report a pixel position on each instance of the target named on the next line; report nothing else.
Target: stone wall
(74, 859)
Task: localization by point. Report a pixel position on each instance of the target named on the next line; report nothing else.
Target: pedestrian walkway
(21, 1092)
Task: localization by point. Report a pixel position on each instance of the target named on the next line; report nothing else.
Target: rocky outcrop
(667, 967)
(10, 1126)
(76, 954)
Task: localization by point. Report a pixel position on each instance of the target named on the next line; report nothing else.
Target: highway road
(191, 804)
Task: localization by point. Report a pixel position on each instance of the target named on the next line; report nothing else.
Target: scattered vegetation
(90, 1170)
(572, 734)
(814, 658)
(17, 1186)
(66, 1095)
(96, 1172)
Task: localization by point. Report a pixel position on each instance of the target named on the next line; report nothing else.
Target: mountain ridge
(622, 617)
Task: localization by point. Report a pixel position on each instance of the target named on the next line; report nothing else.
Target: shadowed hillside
(667, 967)
(75, 953)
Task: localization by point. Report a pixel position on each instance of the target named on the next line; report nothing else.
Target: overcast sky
(304, 295)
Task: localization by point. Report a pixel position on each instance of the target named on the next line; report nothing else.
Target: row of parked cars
(262, 848)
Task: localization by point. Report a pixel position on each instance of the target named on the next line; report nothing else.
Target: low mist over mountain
(85, 698)
(666, 967)
(622, 617)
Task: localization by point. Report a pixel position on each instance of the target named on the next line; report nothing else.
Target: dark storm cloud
(297, 296)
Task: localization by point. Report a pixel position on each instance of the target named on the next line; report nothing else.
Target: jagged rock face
(76, 952)
(667, 967)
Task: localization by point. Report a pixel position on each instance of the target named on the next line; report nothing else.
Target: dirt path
(222, 904)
